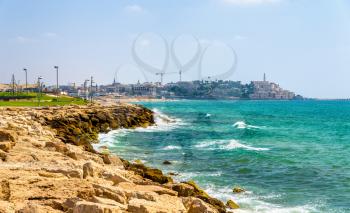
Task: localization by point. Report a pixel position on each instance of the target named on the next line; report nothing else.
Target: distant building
(145, 89)
(267, 90)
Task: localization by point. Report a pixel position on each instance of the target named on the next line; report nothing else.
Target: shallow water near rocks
(290, 156)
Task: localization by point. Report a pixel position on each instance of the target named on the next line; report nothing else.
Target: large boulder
(196, 205)
(8, 135)
(155, 175)
(91, 207)
(201, 194)
(163, 204)
(6, 207)
(8, 139)
(232, 205)
(184, 190)
(88, 170)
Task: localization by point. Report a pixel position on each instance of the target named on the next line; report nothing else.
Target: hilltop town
(255, 90)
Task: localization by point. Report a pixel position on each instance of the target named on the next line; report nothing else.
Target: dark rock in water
(232, 205)
(238, 190)
(155, 175)
(201, 194)
(138, 161)
(183, 189)
(166, 162)
(173, 174)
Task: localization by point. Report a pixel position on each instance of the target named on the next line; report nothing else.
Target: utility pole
(25, 70)
(85, 89)
(13, 82)
(57, 89)
(180, 73)
(39, 89)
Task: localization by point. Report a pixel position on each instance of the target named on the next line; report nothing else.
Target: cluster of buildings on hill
(257, 90)
(184, 89)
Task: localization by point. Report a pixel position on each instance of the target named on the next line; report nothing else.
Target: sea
(288, 156)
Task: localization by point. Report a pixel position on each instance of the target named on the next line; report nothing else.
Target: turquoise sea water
(290, 156)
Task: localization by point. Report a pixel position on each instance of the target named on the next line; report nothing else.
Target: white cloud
(240, 37)
(50, 34)
(135, 8)
(250, 2)
(23, 40)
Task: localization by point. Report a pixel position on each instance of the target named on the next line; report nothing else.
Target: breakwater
(48, 165)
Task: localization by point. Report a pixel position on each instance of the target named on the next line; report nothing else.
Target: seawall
(47, 164)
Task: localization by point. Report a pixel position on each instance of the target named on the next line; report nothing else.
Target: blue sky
(304, 45)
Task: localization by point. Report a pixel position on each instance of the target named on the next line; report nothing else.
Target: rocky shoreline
(47, 164)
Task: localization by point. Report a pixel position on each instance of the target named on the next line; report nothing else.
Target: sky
(303, 45)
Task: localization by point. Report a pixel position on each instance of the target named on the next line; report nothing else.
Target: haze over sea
(290, 156)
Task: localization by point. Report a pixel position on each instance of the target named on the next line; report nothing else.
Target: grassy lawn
(45, 100)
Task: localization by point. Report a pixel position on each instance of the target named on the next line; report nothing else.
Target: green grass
(45, 100)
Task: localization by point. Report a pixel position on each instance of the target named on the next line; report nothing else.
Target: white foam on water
(207, 115)
(163, 122)
(234, 144)
(171, 148)
(243, 125)
(251, 203)
(206, 144)
(109, 139)
(227, 145)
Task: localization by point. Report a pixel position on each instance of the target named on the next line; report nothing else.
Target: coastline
(50, 148)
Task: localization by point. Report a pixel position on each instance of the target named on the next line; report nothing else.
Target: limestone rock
(6, 207)
(88, 170)
(6, 146)
(149, 173)
(72, 173)
(110, 193)
(184, 190)
(232, 205)
(112, 159)
(35, 208)
(90, 207)
(164, 204)
(8, 135)
(115, 178)
(3, 155)
(106, 201)
(238, 190)
(195, 205)
(201, 194)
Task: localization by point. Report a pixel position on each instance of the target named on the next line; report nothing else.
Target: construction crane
(164, 73)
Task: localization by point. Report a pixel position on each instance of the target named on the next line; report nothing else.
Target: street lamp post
(85, 89)
(39, 89)
(91, 82)
(57, 89)
(25, 70)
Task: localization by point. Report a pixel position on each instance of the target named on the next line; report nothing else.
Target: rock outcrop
(47, 164)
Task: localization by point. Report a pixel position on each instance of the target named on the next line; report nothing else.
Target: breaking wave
(162, 121)
(172, 148)
(227, 145)
(243, 125)
(251, 202)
